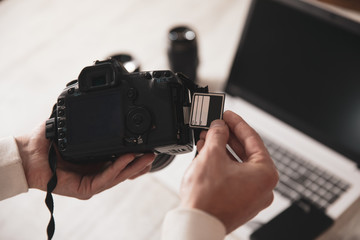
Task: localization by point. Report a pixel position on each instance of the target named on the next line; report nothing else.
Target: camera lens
(183, 51)
(138, 120)
(161, 161)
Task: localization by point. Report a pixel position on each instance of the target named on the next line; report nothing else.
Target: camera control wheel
(138, 120)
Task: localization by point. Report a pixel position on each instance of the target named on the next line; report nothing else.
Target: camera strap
(52, 158)
(50, 187)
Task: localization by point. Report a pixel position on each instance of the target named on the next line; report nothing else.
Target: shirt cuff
(12, 175)
(191, 224)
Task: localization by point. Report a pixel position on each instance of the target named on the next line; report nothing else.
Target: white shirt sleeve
(12, 175)
(192, 224)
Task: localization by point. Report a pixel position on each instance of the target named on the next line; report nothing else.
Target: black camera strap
(50, 187)
(52, 158)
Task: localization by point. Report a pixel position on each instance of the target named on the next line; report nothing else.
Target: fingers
(232, 142)
(216, 138)
(246, 142)
(200, 144)
(84, 186)
(243, 139)
(237, 147)
(110, 173)
(135, 167)
(142, 172)
(123, 168)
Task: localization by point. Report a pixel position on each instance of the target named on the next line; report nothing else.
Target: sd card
(205, 108)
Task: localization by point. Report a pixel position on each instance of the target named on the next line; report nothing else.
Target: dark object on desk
(301, 221)
(183, 51)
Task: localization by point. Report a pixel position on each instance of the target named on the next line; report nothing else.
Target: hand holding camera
(74, 180)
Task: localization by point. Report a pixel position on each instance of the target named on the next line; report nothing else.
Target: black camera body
(108, 112)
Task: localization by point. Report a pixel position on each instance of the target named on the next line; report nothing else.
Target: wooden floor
(45, 43)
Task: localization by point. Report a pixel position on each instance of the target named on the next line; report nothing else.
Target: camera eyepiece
(101, 75)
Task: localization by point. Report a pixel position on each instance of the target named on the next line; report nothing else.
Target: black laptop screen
(304, 69)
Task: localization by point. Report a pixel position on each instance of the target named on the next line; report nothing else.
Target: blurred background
(45, 44)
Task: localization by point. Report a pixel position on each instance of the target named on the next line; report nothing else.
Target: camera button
(61, 101)
(167, 74)
(132, 93)
(61, 112)
(71, 90)
(62, 134)
(62, 145)
(148, 75)
(156, 74)
(61, 123)
(138, 120)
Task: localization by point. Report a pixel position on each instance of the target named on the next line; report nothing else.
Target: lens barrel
(183, 51)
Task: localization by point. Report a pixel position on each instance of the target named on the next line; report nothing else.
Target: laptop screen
(302, 65)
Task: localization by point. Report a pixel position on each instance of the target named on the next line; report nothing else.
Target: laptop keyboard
(301, 179)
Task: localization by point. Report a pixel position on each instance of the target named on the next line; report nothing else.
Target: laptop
(296, 79)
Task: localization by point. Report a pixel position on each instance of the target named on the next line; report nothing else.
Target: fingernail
(217, 123)
(137, 155)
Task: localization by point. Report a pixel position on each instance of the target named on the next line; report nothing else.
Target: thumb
(217, 136)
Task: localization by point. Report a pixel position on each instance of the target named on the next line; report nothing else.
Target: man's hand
(75, 180)
(219, 185)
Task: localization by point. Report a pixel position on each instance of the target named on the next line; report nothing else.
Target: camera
(108, 111)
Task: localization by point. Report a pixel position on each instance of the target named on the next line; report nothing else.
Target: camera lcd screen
(94, 118)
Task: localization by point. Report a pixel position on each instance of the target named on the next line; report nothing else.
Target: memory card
(205, 108)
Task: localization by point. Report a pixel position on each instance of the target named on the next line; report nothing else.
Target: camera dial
(138, 120)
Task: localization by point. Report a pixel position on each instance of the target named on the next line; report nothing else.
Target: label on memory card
(205, 108)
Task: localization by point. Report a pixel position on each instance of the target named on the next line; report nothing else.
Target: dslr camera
(108, 111)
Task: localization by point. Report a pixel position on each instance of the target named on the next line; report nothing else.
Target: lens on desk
(183, 51)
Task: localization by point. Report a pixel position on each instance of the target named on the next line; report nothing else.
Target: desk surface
(45, 44)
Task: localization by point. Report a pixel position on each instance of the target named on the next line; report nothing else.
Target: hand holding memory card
(205, 108)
